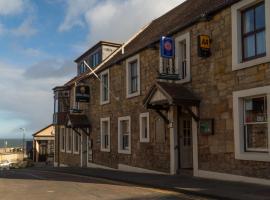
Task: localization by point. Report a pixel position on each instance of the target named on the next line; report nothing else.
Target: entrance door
(185, 141)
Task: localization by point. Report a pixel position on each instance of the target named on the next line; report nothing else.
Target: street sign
(167, 47)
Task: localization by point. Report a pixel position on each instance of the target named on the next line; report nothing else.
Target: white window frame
(185, 37)
(62, 142)
(102, 102)
(238, 110)
(68, 132)
(74, 134)
(107, 119)
(237, 39)
(120, 150)
(143, 139)
(128, 81)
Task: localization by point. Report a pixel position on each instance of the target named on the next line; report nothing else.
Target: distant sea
(12, 142)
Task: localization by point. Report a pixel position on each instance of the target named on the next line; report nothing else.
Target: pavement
(32, 184)
(182, 184)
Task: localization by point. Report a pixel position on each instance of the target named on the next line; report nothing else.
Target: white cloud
(27, 100)
(11, 7)
(114, 20)
(26, 28)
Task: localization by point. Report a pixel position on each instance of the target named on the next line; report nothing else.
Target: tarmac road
(27, 184)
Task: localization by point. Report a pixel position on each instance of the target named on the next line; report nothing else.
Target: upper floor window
(182, 57)
(104, 87)
(81, 68)
(133, 76)
(253, 32)
(251, 36)
(96, 59)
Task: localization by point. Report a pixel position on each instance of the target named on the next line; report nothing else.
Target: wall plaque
(204, 46)
(207, 126)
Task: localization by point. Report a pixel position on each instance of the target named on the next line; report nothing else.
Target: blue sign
(167, 47)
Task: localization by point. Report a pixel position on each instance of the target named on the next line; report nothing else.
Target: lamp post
(23, 139)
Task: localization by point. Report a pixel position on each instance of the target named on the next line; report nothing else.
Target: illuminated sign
(204, 46)
(167, 47)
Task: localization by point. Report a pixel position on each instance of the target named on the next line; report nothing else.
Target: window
(62, 139)
(133, 76)
(96, 59)
(182, 57)
(81, 68)
(76, 142)
(160, 130)
(69, 140)
(124, 140)
(250, 44)
(144, 127)
(253, 32)
(251, 124)
(105, 134)
(104, 87)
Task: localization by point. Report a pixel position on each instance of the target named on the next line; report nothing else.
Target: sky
(39, 39)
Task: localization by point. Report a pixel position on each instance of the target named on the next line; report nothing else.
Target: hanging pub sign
(167, 47)
(207, 126)
(82, 93)
(204, 46)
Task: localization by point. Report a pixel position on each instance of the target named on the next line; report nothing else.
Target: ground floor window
(105, 134)
(251, 124)
(124, 140)
(144, 127)
(62, 139)
(76, 142)
(68, 140)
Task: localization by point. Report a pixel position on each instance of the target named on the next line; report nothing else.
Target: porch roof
(77, 121)
(163, 93)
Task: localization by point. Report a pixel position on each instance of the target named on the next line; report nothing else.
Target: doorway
(185, 147)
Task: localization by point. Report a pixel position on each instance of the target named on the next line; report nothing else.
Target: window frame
(237, 42)
(108, 149)
(62, 142)
(129, 93)
(74, 134)
(184, 37)
(68, 134)
(238, 114)
(144, 139)
(120, 135)
(254, 32)
(102, 101)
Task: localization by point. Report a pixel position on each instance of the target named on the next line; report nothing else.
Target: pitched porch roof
(163, 93)
(77, 121)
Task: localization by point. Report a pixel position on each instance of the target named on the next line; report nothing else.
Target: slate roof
(181, 17)
(78, 121)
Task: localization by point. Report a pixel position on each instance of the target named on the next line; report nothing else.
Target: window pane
(249, 21)
(249, 46)
(257, 137)
(261, 43)
(260, 16)
(255, 110)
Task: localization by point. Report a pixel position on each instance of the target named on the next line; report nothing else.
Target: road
(29, 184)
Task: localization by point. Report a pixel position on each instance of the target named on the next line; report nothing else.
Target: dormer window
(96, 59)
(82, 68)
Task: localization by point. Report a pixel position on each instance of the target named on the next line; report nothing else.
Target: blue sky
(39, 39)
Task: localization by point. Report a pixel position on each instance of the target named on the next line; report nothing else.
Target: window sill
(76, 153)
(251, 63)
(124, 151)
(133, 95)
(68, 152)
(146, 140)
(62, 150)
(105, 150)
(253, 156)
(102, 103)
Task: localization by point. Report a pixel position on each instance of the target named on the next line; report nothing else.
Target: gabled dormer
(95, 55)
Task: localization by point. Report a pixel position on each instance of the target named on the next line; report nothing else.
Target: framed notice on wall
(207, 126)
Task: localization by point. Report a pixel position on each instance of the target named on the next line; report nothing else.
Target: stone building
(204, 110)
